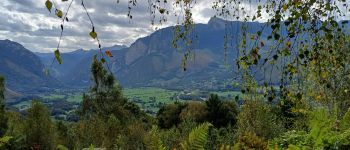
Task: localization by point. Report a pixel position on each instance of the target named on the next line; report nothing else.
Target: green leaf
(58, 56)
(48, 5)
(153, 140)
(277, 36)
(103, 60)
(259, 7)
(259, 33)
(59, 13)
(161, 10)
(197, 139)
(91, 147)
(93, 34)
(4, 141)
(61, 147)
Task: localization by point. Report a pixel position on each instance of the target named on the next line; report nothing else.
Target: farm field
(148, 98)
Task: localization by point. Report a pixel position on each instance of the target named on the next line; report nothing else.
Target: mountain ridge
(22, 69)
(153, 61)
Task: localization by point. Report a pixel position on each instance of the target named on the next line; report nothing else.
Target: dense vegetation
(309, 109)
(108, 120)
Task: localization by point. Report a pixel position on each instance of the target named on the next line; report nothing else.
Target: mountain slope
(75, 69)
(22, 69)
(152, 61)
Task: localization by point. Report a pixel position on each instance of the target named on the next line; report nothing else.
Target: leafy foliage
(4, 141)
(220, 113)
(197, 138)
(153, 140)
(105, 97)
(303, 41)
(169, 115)
(257, 118)
(250, 140)
(324, 134)
(196, 111)
(3, 117)
(39, 129)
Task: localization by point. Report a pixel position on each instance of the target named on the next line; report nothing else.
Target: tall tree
(3, 117)
(169, 115)
(39, 127)
(105, 97)
(221, 113)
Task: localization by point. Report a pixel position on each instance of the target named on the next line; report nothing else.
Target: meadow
(149, 99)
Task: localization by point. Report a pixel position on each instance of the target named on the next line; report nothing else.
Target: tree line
(108, 120)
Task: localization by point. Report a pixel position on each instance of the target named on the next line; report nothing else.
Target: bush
(250, 140)
(169, 115)
(257, 117)
(220, 113)
(195, 111)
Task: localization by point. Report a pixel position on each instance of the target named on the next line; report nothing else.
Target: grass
(23, 105)
(147, 98)
(53, 96)
(75, 98)
(227, 93)
(161, 95)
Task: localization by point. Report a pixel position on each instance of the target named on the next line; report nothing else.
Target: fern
(153, 140)
(91, 147)
(345, 122)
(61, 147)
(4, 140)
(226, 147)
(197, 138)
(321, 123)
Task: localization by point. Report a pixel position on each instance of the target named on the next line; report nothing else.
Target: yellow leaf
(288, 44)
(324, 74)
(59, 13)
(58, 56)
(285, 7)
(93, 34)
(318, 97)
(48, 5)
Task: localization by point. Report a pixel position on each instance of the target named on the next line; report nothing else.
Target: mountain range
(149, 61)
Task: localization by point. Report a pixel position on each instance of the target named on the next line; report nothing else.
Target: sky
(29, 23)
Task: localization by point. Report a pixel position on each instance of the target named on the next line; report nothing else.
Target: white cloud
(29, 23)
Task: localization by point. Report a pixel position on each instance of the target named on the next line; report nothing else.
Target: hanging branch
(57, 52)
(93, 34)
(59, 14)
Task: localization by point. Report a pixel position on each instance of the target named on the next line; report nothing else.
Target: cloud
(29, 23)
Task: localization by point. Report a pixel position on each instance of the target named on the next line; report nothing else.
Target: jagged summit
(217, 23)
